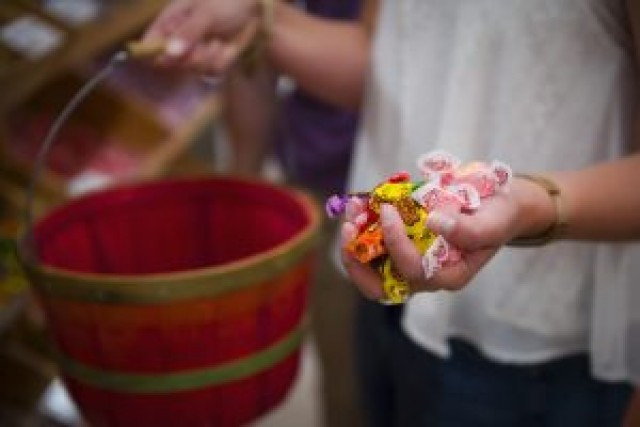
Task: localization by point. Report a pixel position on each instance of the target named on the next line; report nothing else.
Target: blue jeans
(403, 385)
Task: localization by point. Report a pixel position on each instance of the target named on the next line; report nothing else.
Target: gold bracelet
(253, 56)
(267, 11)
(560, 224)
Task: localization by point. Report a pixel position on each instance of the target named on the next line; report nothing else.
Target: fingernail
(348, 233)
(176, 47)
(353, 208)
(387, 215)
(430, 265)
(440, 223)
(361, 219)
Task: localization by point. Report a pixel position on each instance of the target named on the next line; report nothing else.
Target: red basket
(177, 302)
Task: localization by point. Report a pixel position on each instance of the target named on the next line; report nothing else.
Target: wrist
(540, 212)
(272, 14)
(255, 8)
(254, 55)
(266, 11)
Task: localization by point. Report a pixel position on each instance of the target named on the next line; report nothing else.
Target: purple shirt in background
(335, 9)
(314, 140)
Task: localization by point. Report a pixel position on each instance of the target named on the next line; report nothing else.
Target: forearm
(249, 113)
(328, 58)
(601, 202)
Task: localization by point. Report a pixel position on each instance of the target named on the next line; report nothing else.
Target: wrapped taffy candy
(445, 185)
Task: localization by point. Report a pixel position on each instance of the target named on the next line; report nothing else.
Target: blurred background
(141, 123)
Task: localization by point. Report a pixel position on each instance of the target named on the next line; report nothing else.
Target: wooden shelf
(123, 20)
(113, 133)
(25, 81)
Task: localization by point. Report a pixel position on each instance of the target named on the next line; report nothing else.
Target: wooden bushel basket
(176, 302)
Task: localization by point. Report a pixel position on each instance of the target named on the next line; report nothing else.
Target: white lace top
(540, 85)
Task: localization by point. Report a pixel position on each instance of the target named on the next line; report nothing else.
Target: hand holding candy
(429, 235)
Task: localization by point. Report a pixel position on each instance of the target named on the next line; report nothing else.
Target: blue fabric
(397, 378)
(403, 385)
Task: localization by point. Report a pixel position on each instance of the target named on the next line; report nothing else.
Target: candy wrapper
(445, 185)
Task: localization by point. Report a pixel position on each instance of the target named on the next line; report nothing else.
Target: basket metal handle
(61, 119)
(132, 50)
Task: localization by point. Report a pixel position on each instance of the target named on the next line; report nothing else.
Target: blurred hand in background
(204, 36)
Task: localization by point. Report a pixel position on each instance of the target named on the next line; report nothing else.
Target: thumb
(238, 46)
(217, 56)
(458, 229)
(457, 275)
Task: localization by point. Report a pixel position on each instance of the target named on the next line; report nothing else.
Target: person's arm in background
(250, 109)
(328, 58)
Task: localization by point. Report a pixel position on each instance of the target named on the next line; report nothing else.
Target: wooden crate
(15, 62)
(182, 103)
(55, 11)
(8, 61)
(123, 19)
(104, 124)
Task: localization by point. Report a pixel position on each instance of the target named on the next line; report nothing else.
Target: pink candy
(451, 187)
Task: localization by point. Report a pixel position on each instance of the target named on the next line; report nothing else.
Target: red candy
(399, 177)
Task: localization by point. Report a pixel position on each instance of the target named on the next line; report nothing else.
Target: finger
(204, 57)
(401, 249)
(355, 206)
(217, 56)
(192, 29)
(172, 17)
(461, 230)
(238, 44)
(364, 277)
(182, 34)
(348, 232)
(457, 275)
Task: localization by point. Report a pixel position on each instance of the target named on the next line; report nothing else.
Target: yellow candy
(421, 236)
(389, 192)
(395, 288)
(419, 229)
(369, 244)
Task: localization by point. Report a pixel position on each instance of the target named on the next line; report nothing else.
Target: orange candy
(368, 245)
